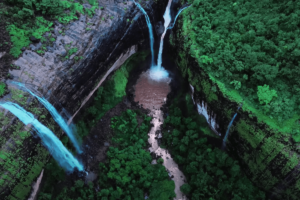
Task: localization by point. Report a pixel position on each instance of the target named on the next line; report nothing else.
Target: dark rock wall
(65, 82)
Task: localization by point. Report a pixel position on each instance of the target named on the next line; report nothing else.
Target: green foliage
(27, 22)
(251, 44)
(72, 51)
(186, 188)
(2, 88)
(120, 79)
(128, 172)
(20, 36)
(108, 95)
(237, 84)
(160, 161)
(205, 59)
(162, 190)
(265, 95)
(104, 100)
(210, 172)
(92, 2)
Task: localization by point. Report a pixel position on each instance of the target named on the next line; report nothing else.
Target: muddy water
(152, 95)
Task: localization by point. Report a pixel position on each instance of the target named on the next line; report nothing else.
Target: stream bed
(152, 95)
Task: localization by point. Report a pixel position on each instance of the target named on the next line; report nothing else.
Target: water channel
(152, 94)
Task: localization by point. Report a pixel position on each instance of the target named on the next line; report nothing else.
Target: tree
(265, 95)
(186, 188)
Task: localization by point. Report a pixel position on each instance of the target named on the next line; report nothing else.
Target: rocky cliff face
(65, 79)
(267, 155)
(99, 41)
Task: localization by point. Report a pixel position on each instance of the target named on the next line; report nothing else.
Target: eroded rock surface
(65, 79)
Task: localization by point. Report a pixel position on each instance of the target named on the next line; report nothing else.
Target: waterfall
(157, 72)
(226, 135)
(49, 140)
(171, 26)
(56, 116)
(150, 30)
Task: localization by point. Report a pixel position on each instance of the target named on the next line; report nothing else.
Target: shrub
(2, 89)
(186, 188)
(265, 95)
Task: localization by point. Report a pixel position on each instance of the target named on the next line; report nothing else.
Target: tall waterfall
(171, 26)
(56, 116)
(227, 132)
(157, 72)
(49, 140)
(150, 30)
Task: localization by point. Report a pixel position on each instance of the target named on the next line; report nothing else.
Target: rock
(23, 49)
(133, 13)
(63, 53)
(2, 54)
(35, 46)
(56, 32)
(10, 76)
(159, 28)
(77, 14)
(34, 39)
(57, 23)
(50, 49)
(147, 9)
(56, 60)
(106, 144)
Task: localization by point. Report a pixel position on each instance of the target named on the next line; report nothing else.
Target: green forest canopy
(252, 43)
(210, 172)
(26, 18)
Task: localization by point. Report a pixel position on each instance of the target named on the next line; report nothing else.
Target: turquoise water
(228, 129)
(59, 152)
(56, 116)
(172, 26)
(158, 72)
(150, 31)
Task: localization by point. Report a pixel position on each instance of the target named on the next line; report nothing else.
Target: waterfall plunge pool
(152, 94)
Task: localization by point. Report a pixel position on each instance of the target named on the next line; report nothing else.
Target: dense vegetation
(2, 88)
(250, 46)
(108, 95)
(126, 174)
(22, 156)
(33, 18)
(210, 172)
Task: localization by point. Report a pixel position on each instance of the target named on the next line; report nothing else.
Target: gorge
(87, 113)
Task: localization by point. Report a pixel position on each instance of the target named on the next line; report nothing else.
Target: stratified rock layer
(65, 79)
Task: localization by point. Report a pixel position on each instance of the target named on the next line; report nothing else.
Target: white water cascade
(158, 72)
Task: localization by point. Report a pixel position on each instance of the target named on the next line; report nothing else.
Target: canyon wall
(65, 80)
(265, 150)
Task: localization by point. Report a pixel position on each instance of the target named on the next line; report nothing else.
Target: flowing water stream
(152, 94)
(56, 116)
(228, 129)
(150, 31)
(172, 26)
(158, 72)
(59, 152)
